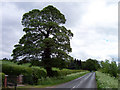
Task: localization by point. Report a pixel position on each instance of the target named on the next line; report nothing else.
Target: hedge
(30, 74)
(15, 69)
(2, 77)
(66, 72)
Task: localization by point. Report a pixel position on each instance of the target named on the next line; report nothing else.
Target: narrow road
(86, 81)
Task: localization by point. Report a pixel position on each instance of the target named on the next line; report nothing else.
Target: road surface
(86, 81)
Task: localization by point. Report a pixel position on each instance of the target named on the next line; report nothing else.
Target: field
(106, 81)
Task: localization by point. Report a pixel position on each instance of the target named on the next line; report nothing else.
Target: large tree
(45, 39)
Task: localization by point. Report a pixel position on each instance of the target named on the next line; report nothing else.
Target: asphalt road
(86, 81)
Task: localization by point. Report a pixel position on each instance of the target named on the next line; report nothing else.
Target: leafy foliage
(110, 68)
(2, 78)
(45, 40)
(90, 64)
(75, 64)
(30, 74)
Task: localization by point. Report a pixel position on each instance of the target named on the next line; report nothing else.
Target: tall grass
(105, 80)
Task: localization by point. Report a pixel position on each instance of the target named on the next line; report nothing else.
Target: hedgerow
(30, 74)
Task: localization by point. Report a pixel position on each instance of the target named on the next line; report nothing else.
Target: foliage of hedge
(66, 72)
(31, 74)
(15, 69)
(63, 72)
(2, 77)
(109, 67)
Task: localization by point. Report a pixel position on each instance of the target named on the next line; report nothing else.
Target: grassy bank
(106, 81)
(46, 82)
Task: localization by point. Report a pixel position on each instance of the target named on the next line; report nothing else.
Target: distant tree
(105, 66)
(5, 59)
(75, 64)
(45, 39)
(79, 64)
(111, 68)
(84, 67)
(71, 65)
(92, 65)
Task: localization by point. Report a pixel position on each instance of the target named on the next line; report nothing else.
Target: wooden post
(21, 79)
(5, 83)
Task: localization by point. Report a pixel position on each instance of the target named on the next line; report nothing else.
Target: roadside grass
(106, 81)
(47, 82)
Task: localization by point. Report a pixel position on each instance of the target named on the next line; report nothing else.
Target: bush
(15, 69)
(11, 69)
(37, 73)
(30, 74)
(66, 72)
(2, 78)
(111, 68)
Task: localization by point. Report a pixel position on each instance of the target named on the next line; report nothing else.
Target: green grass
(106, 81)
(47, 82)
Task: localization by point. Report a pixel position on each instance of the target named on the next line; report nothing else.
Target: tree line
(93, 65)
(89, 64)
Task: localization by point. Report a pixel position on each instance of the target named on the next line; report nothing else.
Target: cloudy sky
(94, 24)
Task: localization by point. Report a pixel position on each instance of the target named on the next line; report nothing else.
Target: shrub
(30, 74)
(2, 78)
(37, 73)
(11, 69)
(66, 72)
(111, 68)
(15, 69)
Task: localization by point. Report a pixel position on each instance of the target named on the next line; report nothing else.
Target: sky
(94, 25)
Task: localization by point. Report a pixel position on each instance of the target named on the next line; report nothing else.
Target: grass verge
(47, 82)
(105, 80)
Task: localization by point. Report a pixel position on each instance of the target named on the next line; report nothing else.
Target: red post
(5, 83)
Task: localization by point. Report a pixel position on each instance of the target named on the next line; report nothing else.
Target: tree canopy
(45, 39)
(91, 65)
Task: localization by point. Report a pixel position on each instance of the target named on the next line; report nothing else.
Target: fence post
(5, 83)
(20, 79)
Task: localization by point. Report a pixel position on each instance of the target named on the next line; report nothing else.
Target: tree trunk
(49, 71)
(47, 58)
